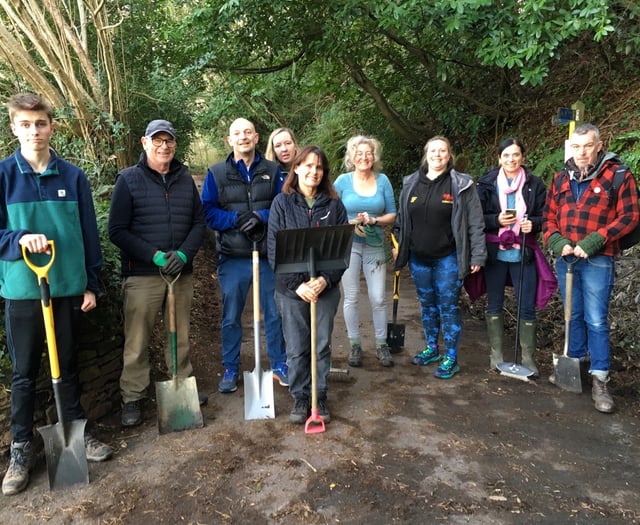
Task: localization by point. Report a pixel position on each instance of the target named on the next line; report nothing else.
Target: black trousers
(26, 342)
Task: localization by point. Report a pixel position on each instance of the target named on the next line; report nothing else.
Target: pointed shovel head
(395, 337)
(567, 372)
(178, 405)
(65, 453)
(258, 395)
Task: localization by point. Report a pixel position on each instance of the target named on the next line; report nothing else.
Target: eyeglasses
(159, 142)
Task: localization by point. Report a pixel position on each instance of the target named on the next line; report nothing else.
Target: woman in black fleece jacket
(308, 199)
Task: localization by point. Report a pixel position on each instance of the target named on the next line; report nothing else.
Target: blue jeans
(592, 286)
(235, 277)
(438, 289)
(296, 321)
(495, 275)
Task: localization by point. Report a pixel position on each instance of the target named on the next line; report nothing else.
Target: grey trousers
(296, 327)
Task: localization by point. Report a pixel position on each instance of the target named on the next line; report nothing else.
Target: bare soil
(402, 447)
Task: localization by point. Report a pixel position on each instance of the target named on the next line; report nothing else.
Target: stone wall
(100, 363)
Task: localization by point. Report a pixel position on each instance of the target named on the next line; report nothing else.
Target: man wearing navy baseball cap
(157, 222)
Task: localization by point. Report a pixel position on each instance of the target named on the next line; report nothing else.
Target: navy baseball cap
(159, 126)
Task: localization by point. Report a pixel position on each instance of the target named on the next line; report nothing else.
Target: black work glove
(248, 221)
(174, 264)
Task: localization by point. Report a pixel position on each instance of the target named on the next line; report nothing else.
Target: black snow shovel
(312, 250)
(258, 385)
(178, 403)
(567, 369)
(64, 441)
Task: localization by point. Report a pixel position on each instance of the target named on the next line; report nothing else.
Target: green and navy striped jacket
(57, 203)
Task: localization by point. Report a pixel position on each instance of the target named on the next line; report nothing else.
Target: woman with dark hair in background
(308, 199)
(512, 202)
(439, 228)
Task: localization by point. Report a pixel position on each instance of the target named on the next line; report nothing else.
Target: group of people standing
(447, 229)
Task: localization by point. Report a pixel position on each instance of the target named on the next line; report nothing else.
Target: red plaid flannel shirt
(595, 211)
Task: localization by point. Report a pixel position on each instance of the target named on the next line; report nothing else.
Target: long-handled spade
(395, 331)
(315, 424)
(64, 441)
(178, 403)
(514, 369)
(567, 369)
(258, 384)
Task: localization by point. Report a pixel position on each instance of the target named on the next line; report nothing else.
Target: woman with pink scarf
(512, 201)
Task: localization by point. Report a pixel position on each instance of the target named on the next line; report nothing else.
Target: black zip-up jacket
(290, 212)
(534, 195)
(235, 194)
(149, 214)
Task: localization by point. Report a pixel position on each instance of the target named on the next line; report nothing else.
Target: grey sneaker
(23, 458)
(601, 397)
(132, 413)
(300, 411)
(384, 355)
(355, 356)
(96, 450)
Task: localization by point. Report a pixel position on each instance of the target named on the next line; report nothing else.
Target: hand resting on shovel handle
(310, 291)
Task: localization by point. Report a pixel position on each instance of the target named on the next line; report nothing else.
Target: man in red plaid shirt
(583, 222)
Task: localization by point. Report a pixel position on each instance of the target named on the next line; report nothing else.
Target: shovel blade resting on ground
(66, 454)
(178, 402)
(395, 331)
(63, 442)
(395, 337)
(258, 388)
(178, 405)
(567, 369)
(258, 385)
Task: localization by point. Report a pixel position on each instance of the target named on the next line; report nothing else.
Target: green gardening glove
(159, 259)
(556, 242)
(592, 243)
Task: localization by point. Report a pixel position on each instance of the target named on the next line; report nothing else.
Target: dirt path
(403, 447)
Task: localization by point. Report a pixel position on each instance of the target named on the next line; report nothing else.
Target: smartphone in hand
(510, 213)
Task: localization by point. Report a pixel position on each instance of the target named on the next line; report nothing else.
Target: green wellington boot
(528, 345)
(495, 331)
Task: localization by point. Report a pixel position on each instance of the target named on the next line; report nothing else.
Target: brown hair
(326, 186)
(28, 102)
(424, 163)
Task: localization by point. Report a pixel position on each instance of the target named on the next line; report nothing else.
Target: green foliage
(627, 146)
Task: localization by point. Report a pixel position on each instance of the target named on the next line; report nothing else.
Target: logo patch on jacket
(447, 198)
(62, 193)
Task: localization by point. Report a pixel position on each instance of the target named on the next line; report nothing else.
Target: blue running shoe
(281, 373)
(229, 381)
(448, 368)
(427, 356)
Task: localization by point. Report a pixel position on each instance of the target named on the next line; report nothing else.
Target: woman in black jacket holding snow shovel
(308, 199)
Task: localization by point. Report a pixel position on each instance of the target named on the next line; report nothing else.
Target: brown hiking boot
(384, 355)
(601, 397)
(24, 457)
(355, 355)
